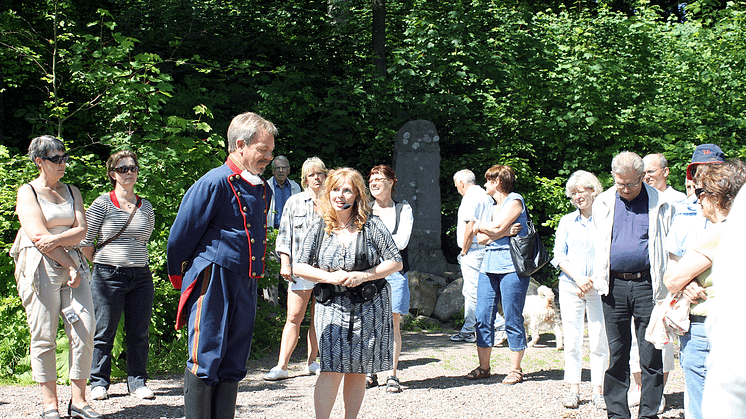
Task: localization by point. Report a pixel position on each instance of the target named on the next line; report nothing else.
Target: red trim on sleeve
(175, 281)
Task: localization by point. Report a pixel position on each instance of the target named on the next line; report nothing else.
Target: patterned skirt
(369, 347)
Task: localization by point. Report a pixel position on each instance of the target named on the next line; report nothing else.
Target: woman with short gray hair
(52, 276)
(573, 255)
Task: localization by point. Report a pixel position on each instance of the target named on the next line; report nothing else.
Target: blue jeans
(510, 290)
(116, 290)
(694, 350)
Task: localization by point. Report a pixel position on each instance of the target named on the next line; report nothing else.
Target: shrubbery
(544, 88)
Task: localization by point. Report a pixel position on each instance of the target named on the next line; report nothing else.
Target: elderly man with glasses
(282, 188)
(656, 175)
(631, 222)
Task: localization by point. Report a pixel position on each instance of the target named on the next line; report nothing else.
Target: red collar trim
(236, 170)
(115, 201)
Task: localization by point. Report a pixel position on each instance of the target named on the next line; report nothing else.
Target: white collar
(253, 179)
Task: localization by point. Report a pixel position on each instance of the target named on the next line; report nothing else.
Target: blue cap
(705, 154)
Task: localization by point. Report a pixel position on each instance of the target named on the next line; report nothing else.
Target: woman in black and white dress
(349, 254)
(119, 226)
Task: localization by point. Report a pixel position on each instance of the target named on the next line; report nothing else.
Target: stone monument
(417, 167)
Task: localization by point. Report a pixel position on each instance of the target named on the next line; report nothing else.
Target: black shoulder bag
(528, 252)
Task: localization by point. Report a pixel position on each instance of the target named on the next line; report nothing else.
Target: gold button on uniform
(252, 241)
(253, 258)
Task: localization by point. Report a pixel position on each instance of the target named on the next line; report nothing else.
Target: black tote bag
(528, 252)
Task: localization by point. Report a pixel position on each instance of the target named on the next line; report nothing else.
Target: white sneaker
(633, 397)
(99, 393)
(313, 368)
(500, 337)
(143, 393)
(662, 407)
(276, 373)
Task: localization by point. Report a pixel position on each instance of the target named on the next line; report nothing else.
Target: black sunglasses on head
(124, 169)
(61, 158)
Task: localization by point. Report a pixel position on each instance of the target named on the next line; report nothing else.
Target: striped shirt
(105, 219)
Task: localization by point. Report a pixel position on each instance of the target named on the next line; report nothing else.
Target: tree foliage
(549, 88)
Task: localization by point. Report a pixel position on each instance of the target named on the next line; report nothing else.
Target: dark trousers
(629, 299)
(118, 290)
(221, 324)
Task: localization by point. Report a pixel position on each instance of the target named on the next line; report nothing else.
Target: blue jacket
(222, 220)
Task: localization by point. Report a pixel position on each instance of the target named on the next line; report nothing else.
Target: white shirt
(672, 195)
(476, 205)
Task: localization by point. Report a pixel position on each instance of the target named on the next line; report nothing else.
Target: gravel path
(432, 370)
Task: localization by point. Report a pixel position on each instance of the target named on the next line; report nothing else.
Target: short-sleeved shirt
(476, 205)
(334, 256)
(497, 257)
(706, 244)
(686, 224)
(629, 235)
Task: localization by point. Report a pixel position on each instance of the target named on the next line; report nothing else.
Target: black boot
(224, 400)
(197, 397)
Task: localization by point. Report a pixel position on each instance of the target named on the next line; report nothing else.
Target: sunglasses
(124, 169)
(60, 158)
(700, 191)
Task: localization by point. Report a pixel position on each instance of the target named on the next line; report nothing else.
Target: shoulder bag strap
(397, 209)
(116, 236)
(314, 261)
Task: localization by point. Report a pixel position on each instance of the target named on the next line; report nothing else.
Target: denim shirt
(497, 258)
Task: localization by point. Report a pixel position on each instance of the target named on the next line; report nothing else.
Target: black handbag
(528, 252)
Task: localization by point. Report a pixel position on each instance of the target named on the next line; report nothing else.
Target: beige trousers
(44, 295)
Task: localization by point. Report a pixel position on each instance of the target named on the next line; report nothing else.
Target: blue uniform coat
(221, 221)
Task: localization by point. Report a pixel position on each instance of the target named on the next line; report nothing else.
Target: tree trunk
(379, 36)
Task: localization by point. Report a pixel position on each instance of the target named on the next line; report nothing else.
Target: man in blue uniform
(216, 252)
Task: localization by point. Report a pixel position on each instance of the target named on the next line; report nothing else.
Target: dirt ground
(431, 371)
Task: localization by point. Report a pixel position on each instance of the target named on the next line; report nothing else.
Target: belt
(631, 276)
(697, 319)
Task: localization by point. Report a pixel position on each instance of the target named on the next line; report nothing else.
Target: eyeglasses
(698, 192)
(378, 179)
(651, 171)
(60, 158)
(124, 169)
(281, 168)
(628, 185)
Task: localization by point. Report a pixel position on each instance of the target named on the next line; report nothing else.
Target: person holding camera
(349, 254)
(52, 276)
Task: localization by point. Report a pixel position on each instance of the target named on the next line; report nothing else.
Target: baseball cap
(705, 154)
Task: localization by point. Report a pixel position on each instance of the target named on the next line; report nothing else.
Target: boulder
(422, 294)
(450, 302)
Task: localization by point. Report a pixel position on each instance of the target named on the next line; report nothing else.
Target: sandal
(371, 380)
(50, 414)
(513, 377)
(393, 385)
(478, 373)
